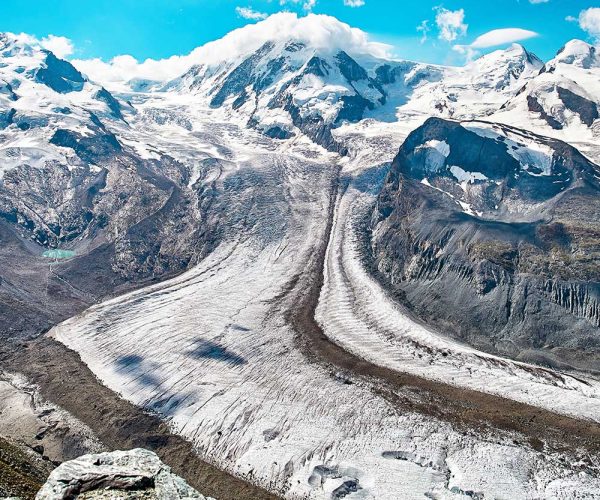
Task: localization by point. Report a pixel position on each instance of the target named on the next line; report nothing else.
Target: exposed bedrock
(136, 473)
(492, 235)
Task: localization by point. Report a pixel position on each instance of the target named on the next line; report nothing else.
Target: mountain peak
(286, 30)
(575, 46)
(516, 48)
(578, 53)
(24, 55)
(520, 50)
(293, 33)
(12, 45)
(504, 68)
(515, 51)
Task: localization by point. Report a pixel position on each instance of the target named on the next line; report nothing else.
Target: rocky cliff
(491, 234)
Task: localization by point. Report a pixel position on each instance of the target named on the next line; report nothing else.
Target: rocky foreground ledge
(129, 474)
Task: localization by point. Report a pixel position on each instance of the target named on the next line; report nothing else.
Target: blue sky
(161, 28)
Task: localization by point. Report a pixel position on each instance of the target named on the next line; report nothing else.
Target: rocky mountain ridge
(492, 233)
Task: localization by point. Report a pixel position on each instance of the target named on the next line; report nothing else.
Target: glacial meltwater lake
(56, 253)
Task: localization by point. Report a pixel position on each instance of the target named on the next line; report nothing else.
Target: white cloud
(424, 29)
(354, 3)
(249, 13)
(571, 19)
(494, 38)
(319, 31)
(589, 21)
(502, 36)
(450, 23)
(307, 5)
(539, 1)
(60, 45)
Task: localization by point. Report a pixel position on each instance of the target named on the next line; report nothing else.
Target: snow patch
(467, 177)
(441, 147)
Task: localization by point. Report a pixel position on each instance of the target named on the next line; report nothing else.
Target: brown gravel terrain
(66, 381)
(21, 473)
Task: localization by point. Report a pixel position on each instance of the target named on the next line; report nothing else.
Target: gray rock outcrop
(137, 473)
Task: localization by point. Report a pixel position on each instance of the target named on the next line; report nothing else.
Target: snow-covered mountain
(37, 89)
(563, 99)
(479, 88)
(289, 76)
(52, 140)
(289, 87)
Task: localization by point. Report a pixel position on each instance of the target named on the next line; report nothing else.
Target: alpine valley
(300, 268)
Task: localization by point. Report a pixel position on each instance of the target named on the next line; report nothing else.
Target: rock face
(59, 75)
(132, 474)
(491, 233)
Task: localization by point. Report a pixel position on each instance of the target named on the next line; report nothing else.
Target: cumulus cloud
(495, 38)
(319, 31)
(354, 3)
(450, 23)
(60, 45)
(249, 13)
(589, 21)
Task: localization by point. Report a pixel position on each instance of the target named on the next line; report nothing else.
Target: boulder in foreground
(129, 474)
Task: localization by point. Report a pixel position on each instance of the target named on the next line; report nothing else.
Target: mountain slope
(492, 234)
(70, 179)
(564, 99)
(288, 80)
(479, 88)
(288, 88)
